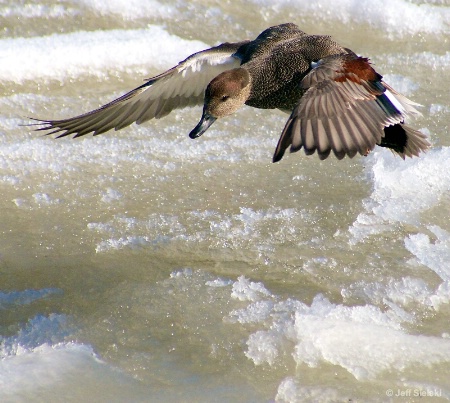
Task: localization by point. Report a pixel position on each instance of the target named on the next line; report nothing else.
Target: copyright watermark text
(428, 392)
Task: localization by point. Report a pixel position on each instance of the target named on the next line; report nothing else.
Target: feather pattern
(335, 100)
(344, 109)
(181, 86)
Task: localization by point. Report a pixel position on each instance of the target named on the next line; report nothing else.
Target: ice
(130, 9)
(218, 282)
(397, 17)
(111, 195)
(10, 179)
(436, 109)
(37, 11)
(125, 9)
(402, 194)
(39, 361)
(183, 273)
(255, 312)
(363, 344)
(95, 53)
(431, 60)
(431, 250)
(406, 292)
(272, 306)
(291, 390)
(442, 295)
(132, 242)
(287, 391)
(246, 290)
(403, 190)
(26, 297)
(435, 255)
(212, 226)
(402, 84)
(363, 340)
(39, 330)
(46, 365)
(264, 347)
(47, 372)
(44, 199)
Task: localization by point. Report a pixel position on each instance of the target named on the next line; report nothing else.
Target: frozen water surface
(140, 265)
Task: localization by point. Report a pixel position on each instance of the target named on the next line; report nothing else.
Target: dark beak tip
(193, 134)
(205, 122)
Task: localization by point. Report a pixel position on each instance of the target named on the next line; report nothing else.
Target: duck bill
(206, 121)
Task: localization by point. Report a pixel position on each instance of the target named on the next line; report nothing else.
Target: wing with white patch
(344, 109)
(181, 86)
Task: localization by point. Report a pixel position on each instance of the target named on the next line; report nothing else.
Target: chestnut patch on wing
(357, 70)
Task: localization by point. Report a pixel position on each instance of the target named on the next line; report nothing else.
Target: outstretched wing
(181, 86)
(344, 109)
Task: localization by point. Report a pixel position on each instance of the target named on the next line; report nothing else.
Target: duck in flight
(336, 101)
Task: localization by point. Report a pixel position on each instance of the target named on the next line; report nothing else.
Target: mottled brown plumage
(336, 100)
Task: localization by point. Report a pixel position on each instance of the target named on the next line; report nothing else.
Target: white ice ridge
(436, 256)
(397, 17)
(130, 9)
(364, 340)
(402, 191)
(68, 56)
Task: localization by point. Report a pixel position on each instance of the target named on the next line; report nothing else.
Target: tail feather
(399, 137)
(404, 140)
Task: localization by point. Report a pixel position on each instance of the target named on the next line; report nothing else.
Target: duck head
(224, 95)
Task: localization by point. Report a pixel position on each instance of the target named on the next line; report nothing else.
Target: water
(141, 265)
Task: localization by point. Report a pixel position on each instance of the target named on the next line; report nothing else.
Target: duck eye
(225, 97)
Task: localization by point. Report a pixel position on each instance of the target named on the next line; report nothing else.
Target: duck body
(278, 59)
(336, 100)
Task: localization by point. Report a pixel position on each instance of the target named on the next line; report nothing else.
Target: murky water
(141, 265)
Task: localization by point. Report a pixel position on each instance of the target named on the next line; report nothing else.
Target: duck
(335, 100)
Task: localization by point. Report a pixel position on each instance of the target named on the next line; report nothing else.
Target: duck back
(277, 61)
